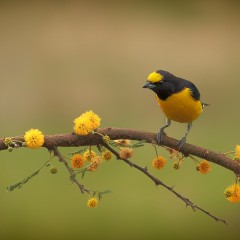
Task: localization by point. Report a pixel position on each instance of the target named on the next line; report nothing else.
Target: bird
(178, 98)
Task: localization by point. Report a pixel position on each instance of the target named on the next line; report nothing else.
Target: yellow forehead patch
(155, 77)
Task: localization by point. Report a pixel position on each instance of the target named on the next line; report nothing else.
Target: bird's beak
(149, 85)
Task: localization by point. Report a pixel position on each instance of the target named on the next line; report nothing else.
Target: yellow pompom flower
(203, 167)
(176, 165)
(232, 193)
(82, 126)
(93, 118)
(95, 162)
(107, 155)
(34, 138)
(159, 162)
(88, 155)
(92, 202)
(126, 152)
(106, 139)
(77, 161)
(86, 123)
(237, 151)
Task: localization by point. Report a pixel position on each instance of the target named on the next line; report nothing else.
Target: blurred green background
(59, 59)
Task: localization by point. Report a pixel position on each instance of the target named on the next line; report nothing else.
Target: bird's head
(162, 83)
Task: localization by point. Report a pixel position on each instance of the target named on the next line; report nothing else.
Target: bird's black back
(177, 84)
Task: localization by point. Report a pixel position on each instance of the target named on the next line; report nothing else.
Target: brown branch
(159, 182)
(67, 140)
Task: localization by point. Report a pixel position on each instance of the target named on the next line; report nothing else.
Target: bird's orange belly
(181, 107)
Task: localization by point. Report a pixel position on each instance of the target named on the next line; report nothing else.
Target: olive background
(59, 59)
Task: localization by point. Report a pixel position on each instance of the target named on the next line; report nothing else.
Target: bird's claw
(181, 143)
(160, 136)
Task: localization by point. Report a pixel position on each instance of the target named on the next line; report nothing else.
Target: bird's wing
(194, 91)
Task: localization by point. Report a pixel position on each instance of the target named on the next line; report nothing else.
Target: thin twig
(57, 153)
(82, 188)
(26, 179)
(159, 182)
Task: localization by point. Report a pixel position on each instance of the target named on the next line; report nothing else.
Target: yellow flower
(77, 161)
(227, 193)
(86, 123)
(94, 164)
(34, 138)
(88, 155)
(159, 162)
(106, 139)
(237, 151)
(203, 167)
(176, 165)
(233, 193)
(126, 152)
(82, 126)
(8, 141)
(107, 155)
(92, 202)
(93, 118)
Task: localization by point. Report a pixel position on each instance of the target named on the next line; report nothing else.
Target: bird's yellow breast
(181, 106)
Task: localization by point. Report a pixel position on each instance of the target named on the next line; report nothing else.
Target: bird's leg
(161, 132)
(183, 140)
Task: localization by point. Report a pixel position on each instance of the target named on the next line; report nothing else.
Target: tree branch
(52, 142)
(68, 140)
(159, 182)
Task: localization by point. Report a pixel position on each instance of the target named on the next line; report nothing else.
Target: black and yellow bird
(178, 98)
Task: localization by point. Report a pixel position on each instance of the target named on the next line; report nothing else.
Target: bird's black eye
(161, 82)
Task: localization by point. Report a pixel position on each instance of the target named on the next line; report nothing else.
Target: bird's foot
(160, 136)
(181, 143)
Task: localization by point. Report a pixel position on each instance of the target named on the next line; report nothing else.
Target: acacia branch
(52, 142)
(68, 140)
(157, 182)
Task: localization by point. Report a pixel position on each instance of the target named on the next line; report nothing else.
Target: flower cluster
(88, 155)
(232, 193)
(173, 154)
(94, 163)
(86, 123)
(91, 158)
